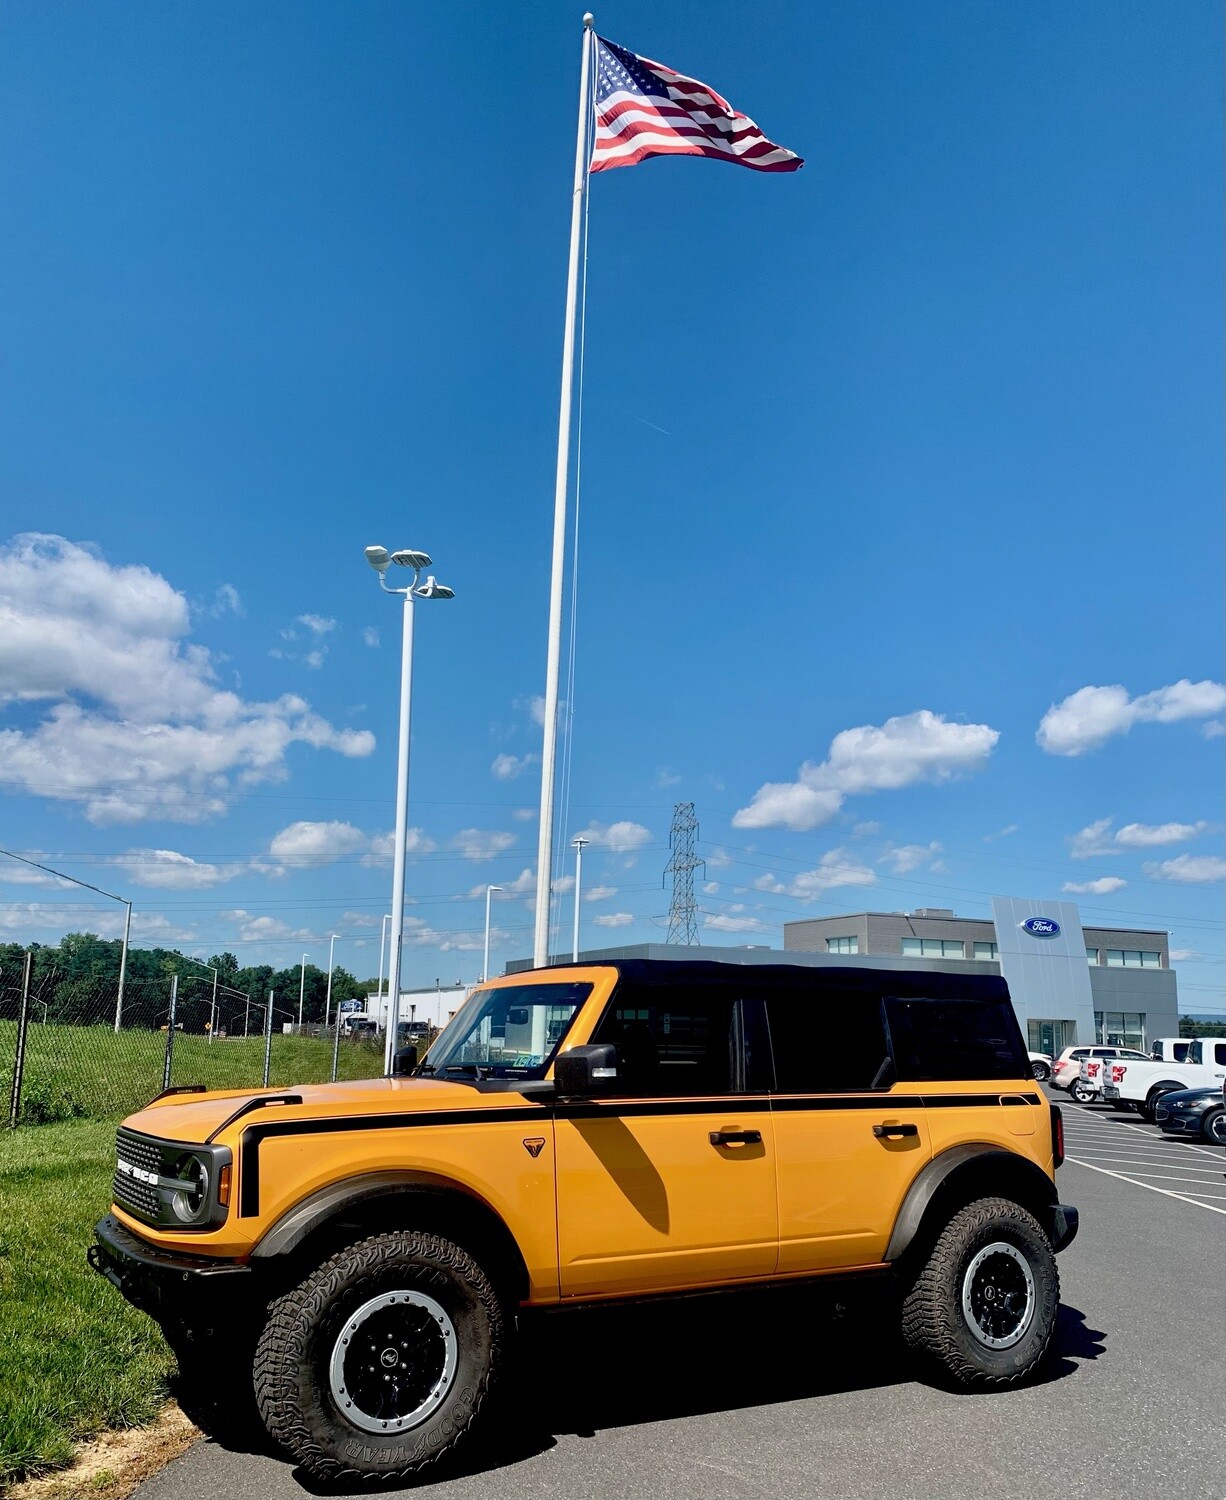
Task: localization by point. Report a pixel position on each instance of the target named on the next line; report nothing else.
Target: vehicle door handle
(735, 1137)
(887, 1132)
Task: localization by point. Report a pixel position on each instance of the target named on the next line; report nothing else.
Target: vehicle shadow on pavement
(627, 1365)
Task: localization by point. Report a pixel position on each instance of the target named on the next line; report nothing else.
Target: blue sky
(883, 461)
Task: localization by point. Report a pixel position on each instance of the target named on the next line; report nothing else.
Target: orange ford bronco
(587, 1132)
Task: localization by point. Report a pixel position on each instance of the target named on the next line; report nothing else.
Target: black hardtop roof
(817, 979)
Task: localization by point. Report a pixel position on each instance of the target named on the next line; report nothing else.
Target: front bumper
(169, 1286)
(1065, 1222)
(1179, 1124)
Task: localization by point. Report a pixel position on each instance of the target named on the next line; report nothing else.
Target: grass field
(74, 1357)
(80, 1072)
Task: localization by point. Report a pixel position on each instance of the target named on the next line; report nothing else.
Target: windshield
(508, 1032)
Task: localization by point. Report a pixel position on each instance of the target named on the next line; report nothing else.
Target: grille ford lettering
(128, 1170)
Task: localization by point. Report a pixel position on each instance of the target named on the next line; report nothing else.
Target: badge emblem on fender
(534, 1145)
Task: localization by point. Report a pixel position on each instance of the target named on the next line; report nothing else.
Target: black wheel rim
(393, 1362)
(998, 1295)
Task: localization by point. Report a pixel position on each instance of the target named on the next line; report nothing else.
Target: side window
(1219, 1052)
(949, 1040)
(828, 1046)
(671, 1040)
(1080, 1052)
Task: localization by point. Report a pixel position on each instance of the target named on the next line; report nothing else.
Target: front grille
(135, 1153)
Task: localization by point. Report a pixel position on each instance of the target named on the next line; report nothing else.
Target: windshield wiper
(426, 1068)
(474, 1068)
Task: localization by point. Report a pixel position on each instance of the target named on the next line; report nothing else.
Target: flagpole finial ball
(589, 20)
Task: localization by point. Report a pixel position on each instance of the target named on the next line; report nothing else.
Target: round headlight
(187, 1203)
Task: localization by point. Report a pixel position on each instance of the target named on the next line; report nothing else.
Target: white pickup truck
(1143, 1083)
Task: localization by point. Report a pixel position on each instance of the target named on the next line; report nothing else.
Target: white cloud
(315, 659)
(317, 624)
(359, 919)
(711, 888)
(903, 858)
(1089, 717)
(1214, 729)
(478, 843)
(135, 725)
(866, 830)
(1189, 869)
(524, 814)
(226, 601)
(1096, 838)
(168, 870)
(265, 929)
(600, 893)
(664, 778)
(910, 748)
(835, 868)
(614, 919)
(619, 838)
(723, 923)
(316, 843)
(370, 636)
(1184, 955)
(14, 873)
(534, 704)
(1106, 885)
(1147, 835)
(563, 884)
(508, 767)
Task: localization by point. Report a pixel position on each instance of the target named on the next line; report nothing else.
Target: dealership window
(987, 950)
(1113, 1028)
(1092, 955)
(1133, 958)
(913, 947)
(843, 945)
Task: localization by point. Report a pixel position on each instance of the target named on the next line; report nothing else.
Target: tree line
(80, 974)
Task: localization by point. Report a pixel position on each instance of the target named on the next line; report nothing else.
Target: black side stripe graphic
(255, 1135)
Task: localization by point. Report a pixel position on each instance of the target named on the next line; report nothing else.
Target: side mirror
(584, 1071)
(403, 1062)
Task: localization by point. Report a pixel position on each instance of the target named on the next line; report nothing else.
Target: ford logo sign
(1041, 927)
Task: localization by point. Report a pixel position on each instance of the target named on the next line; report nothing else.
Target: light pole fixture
(578, 844)
(380, 560)
(485, 965)
(328, 998)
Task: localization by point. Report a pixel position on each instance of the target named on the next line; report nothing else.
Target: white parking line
(1140, 1148)
(1158, 1169)
(1125, 1124)
(1166, 1192)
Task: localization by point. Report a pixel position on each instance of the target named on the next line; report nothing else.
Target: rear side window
(828, 1046)
(1219, 1052)
(949, 1040)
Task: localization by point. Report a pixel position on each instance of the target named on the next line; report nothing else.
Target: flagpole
(544, 856)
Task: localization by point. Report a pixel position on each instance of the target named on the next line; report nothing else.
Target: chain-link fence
(75, 1049)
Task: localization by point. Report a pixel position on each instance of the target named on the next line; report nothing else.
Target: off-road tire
(934, 1325)
(292, 1385)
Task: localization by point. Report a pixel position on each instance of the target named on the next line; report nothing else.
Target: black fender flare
(995, 1169)
(316, 1210)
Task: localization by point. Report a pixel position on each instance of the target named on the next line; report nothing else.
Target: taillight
(1057, 1137)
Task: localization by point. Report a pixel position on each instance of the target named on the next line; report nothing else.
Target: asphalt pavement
(779, 1395)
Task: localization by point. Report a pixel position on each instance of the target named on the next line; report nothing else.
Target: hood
(194, 1117)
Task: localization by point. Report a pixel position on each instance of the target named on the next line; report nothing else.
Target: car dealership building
(1069, 983)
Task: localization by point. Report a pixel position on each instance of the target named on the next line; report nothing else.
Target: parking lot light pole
(301, 991)
(328, 997)
(579, 844)
(485, 964)
(380, 559)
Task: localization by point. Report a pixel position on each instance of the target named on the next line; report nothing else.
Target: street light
(485, 966)
(579, 844)
(301, 992)
(380, 558)
(111, 896)
(328, 998)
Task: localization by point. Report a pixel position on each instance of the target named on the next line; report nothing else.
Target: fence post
(19, 1058)
(170, 1031)
(268, 1040)
(336, 1043)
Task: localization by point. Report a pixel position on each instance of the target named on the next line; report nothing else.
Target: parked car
(1088, 1085)
(1170, 1049)
(360, 1253)
(1040, 1065)
(1193, 1112)
(1143, 1084)
(1067, 1068)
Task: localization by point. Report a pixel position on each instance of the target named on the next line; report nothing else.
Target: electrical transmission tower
(682, 911)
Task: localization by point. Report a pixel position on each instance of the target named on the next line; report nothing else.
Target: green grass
(76, 1072)
(74, 1357)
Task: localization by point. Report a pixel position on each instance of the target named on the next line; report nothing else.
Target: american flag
(645, 109)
